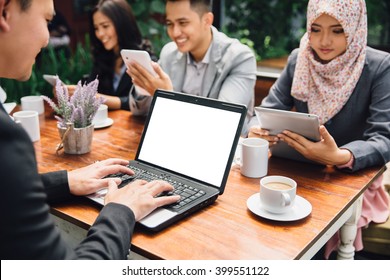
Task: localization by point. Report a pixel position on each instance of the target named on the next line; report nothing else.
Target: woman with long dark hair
(112, 28)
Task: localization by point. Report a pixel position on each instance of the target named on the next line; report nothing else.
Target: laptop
(276, 121)
(190, 142)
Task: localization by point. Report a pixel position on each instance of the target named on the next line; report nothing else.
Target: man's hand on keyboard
(91, 178)
(141, 196)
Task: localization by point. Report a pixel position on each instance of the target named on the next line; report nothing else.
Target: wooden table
(226, 229)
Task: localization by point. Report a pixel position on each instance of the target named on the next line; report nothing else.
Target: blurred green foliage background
(272, 28)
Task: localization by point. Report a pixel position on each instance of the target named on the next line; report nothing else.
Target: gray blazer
(230, 76)
(363, 124)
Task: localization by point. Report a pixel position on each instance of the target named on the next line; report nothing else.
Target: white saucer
(104, 124)
(301, 209)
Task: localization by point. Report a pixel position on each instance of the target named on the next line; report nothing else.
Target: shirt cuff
(349, 164)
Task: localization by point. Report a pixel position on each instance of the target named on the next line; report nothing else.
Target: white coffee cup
(101, 115)
(30, 122)
(254, 157)
(33, 103)
(277, 193)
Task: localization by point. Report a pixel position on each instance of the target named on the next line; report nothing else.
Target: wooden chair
(262, 87)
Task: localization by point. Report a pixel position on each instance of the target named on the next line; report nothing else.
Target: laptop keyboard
(187, 193)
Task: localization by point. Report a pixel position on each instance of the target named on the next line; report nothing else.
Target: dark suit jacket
(27, 231)
(123, 91)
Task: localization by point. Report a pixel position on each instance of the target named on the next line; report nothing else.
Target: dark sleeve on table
(27, 230)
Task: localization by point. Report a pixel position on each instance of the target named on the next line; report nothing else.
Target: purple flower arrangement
(80, 108)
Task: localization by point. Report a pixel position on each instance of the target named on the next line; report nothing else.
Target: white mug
(277, 193)
(101, 115)
(254, 157)
(33, 103)
(30, 122)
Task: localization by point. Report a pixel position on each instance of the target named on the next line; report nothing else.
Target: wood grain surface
(226, 229)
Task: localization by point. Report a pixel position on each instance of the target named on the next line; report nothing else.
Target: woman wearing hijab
(336, 76)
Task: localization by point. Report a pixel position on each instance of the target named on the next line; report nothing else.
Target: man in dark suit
(27, 231)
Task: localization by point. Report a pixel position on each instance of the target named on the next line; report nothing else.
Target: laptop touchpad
(157, 217)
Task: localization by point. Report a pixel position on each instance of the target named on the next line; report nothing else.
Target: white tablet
(3, 95)
(139, 56)
(276, 121)
(51, 79)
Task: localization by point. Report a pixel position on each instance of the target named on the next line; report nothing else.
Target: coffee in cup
(277, 193)
(278, 186)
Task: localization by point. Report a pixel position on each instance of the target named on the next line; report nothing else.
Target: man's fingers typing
(165, 200)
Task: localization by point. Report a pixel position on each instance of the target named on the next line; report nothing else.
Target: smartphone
(141, 57)
(51, 79)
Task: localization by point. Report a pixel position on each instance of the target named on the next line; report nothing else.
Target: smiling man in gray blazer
(201, 60)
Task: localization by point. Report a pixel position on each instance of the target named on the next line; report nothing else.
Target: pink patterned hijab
(327, 87)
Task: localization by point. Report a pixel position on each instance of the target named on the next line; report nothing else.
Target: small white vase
(76, 141)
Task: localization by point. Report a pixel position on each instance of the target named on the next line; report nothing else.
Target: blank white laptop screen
(190, 139)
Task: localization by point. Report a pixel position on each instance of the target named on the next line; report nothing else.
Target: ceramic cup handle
(238, 155)
(286, 199)
(237, 161)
